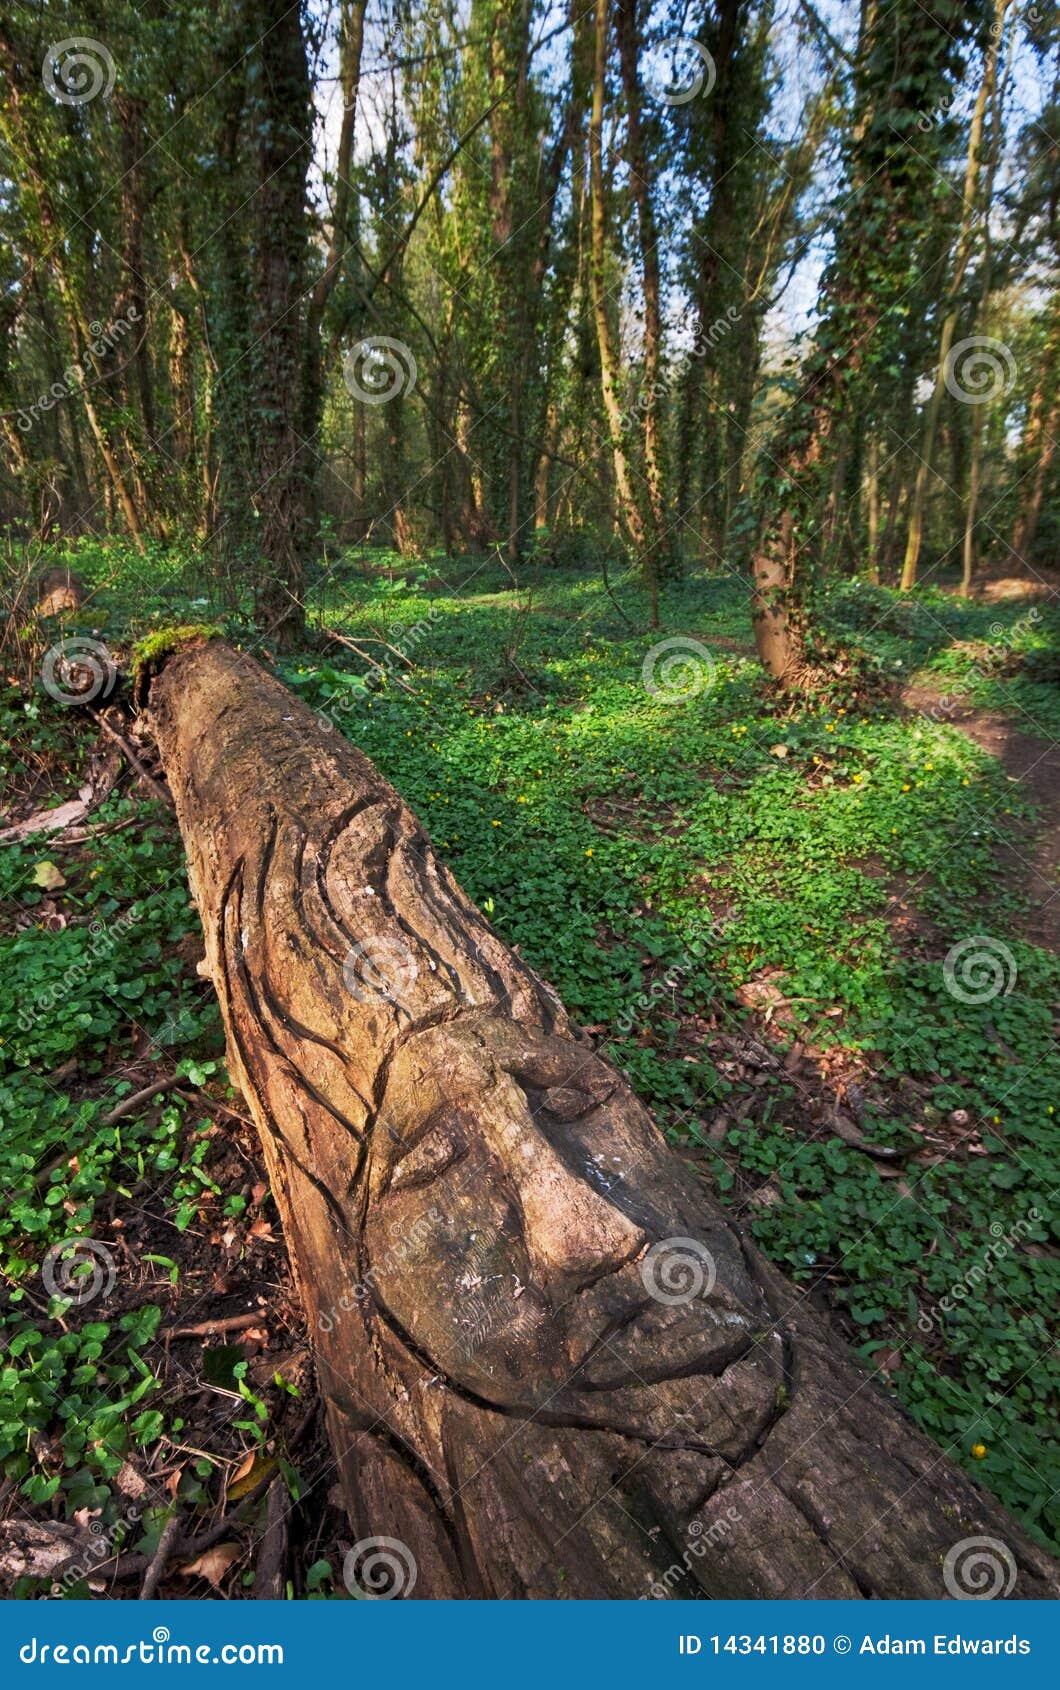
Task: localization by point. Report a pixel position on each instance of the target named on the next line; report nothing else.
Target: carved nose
(573, 1234)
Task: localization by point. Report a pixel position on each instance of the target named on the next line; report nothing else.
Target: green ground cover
(692, 869)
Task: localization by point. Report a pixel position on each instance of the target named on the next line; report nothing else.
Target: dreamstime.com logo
(76, 70)
(158, 1652)
(76, 376)
(664, 988)
(678, 1270)
(379, 1569)
(700, 1542)
(704, 340)
(102, 940)
(104, 1542)
(677, 669)
(978, 1569)
(992, 665)
(378, 369)
(403, 641)
(421, 1229)
(979, 969)
(980, 1270)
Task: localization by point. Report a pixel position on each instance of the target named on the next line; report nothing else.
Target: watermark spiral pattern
(379, 1569)
(979, 369)
(78, 671)
(76, 70)
(378, 369)
(979, 969)
(379, 968)
(80, 1270)
(699, 76)
(978, 1569)
(676, 669)
(678, 1270)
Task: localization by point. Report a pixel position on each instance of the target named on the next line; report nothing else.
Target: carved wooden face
(518, 1205)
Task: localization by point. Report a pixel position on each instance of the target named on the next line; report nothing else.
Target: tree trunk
(1038, 446)
(283, 460)
(966, 238)
(19, 133)
(629, 43)
(1027, 527)
(132, 300)
(343, 235)
(977, 420)
(552, 1365)
(628, 508)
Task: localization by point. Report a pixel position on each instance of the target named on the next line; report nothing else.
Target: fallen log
(553, 1366)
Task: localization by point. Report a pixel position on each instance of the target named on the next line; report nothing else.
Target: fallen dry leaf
(244, 1467)
(888, 1361)
(212, 1564)
(259, 1469)
(47, 875)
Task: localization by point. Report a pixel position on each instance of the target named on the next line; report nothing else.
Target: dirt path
(1031, 857)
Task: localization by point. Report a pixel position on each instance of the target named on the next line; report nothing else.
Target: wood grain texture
(553, 1365)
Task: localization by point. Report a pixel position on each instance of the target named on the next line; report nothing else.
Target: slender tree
(909, 65)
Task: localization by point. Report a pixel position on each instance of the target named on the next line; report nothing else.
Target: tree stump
(553, 1366)
(57, 591)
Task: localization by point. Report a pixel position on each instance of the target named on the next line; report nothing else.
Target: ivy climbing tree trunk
(967, 236)
(553, 1366)
(628, 508)
(1038, 446)
(629, 44)
(908, 63)
(284, 461)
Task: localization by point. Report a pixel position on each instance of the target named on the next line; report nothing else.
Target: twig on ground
(194, 1095)
(268, 1576)
(365, 657)
(81, 834)
(166, 1544)
(207, 1328)
(132, 757)
(130, 1104)
(127, 1106)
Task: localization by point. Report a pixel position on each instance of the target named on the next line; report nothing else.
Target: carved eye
(569, 1103)
(437, 1149)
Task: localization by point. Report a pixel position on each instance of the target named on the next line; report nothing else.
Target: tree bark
(553, 1366)
(629, 43)
(628, 508)
(284, 466)
(1039, 440)
(966, 239)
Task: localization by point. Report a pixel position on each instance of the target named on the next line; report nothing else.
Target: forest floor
(821, 940)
